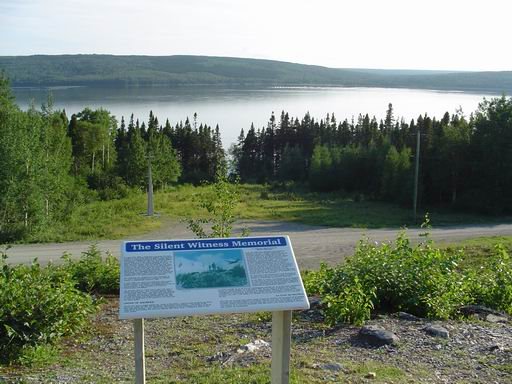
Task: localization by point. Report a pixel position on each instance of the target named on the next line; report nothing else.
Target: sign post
(165, 278)
(281, 346)
(140, 364)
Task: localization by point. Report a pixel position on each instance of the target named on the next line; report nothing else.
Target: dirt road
(311, 244)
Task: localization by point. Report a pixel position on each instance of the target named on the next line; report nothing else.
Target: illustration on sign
(212, 269)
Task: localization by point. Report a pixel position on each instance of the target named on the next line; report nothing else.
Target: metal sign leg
(281, 343)
(140, 365)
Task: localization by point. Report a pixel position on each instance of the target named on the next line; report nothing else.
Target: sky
(391, 34)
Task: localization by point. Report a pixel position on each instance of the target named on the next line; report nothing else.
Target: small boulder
(407, 316)
(437, 331)
(315, 302)
(481, 312)
(335, 367)
(377, 336)
(491, 318)
(219, 356)
(370, 375)
(254, 346)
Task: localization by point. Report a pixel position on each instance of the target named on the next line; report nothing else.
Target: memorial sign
(163, 278)
(204, 276)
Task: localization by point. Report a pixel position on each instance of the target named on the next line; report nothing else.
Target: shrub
(108, 186)
(423, 280)
(37, 307)
(492, 285)
(93, 274)
(219, 200)
(353, 304)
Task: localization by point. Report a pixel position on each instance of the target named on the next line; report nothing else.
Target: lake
(236, 108)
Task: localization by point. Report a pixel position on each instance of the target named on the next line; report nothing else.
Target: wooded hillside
(109, 70)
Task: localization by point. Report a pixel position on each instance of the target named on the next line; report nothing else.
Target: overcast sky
(433, 34)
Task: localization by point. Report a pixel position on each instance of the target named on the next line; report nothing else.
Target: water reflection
(236, 108)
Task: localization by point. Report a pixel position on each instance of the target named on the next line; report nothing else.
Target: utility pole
(416, 173)
(150, 188)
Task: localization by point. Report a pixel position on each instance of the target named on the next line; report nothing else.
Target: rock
(315, 302)
(491, 318)
(219, 356)
(255, 346)
(437, 331)
(377, 336)
(407, 316)
(496, 348)
(370, 375)
(314, 313)
(481, 312)
(331, 367)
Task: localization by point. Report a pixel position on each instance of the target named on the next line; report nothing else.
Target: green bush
(422, 280)
(108, 185)
(37, 307)
(492, 284)
(353, 304)
(93, 274)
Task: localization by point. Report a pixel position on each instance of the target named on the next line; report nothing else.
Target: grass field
(112, 219)
(120, 218)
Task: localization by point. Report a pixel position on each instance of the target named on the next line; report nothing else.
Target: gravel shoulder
(311, 244)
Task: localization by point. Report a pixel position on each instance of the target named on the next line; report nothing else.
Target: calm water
(234, 109)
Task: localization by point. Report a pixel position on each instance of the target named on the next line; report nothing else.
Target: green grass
(384, 372)
(116, 219)
(504, 368)
(112, 219)
(327, 209)
(478, 249)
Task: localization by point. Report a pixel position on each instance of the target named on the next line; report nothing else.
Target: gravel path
(191, 349)
(311, 244)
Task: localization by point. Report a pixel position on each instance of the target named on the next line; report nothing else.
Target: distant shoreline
(206, 71)
(251, 87)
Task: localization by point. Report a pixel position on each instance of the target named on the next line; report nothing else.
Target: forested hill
(109, 70)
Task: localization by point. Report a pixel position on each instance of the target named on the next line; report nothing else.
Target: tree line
(465, 161)
(50, 163)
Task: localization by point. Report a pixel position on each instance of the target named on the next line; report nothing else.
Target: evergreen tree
(491, 148)
(389, 122)
(293, 165)
(136, 160)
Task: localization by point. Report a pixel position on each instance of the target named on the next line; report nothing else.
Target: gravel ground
(189, 349)
(311, 244)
